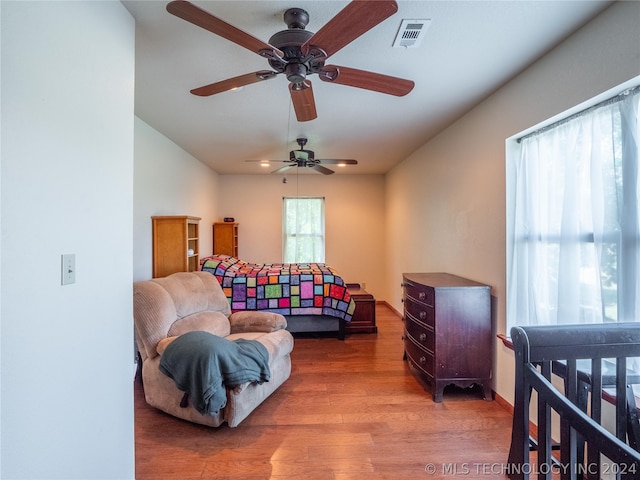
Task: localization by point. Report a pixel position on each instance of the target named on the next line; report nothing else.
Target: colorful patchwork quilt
(284, 288)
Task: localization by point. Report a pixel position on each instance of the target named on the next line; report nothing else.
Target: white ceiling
(470, 50)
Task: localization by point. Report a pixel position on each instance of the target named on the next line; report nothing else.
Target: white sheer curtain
(303, 230)
(573, 220)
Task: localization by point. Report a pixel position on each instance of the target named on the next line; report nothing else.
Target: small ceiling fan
(306, 158)
(297, 52)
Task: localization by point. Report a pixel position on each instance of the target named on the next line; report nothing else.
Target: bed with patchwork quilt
(312, 296)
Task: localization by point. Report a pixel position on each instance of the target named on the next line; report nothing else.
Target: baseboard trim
(503, 403)
(390, 307)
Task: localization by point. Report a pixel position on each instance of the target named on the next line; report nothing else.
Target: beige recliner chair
(165, 308)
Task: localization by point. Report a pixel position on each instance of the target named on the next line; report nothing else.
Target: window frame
(317, 235)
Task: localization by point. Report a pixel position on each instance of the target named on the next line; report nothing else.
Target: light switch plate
(68, 268)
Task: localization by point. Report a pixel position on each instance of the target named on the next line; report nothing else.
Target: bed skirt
(316, 324)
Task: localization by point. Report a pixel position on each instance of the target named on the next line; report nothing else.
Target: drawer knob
(423, 315)
(423, 360)
(423, 337)
(422, 296)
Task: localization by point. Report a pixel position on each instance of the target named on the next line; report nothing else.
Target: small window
(303, 229)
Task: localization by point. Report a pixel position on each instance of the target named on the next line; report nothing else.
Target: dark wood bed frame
(316, 324)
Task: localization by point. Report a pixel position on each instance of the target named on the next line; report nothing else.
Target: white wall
(168, 181)
(67, 187)
(354, 219)
(446, 202)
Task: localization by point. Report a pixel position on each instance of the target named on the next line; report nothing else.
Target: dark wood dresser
(447, 330)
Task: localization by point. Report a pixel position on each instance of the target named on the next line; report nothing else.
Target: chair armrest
(252, 321)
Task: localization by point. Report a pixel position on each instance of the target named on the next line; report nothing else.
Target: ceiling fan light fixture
(296, 72)
(301, 155)
(306, 158)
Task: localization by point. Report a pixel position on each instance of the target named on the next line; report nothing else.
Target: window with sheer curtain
(573, 219)
(303, 229)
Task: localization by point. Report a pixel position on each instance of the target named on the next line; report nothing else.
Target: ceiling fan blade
(284, 169)
(201, 18)
(336, 161)
(376, 82)
(356, 18)
(267, 162)
(231, 83)
(323, 170)
(303, 101)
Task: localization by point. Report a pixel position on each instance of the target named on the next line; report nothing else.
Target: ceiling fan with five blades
(306, 158)
(298, 53)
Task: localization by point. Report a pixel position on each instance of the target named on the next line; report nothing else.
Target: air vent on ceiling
(411, 33)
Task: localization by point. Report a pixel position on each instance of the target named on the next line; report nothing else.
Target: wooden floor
(351, 410)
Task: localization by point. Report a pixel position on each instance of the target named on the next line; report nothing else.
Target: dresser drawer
(419, 357)
(419, 311)
(422, 293)
(421, 334)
